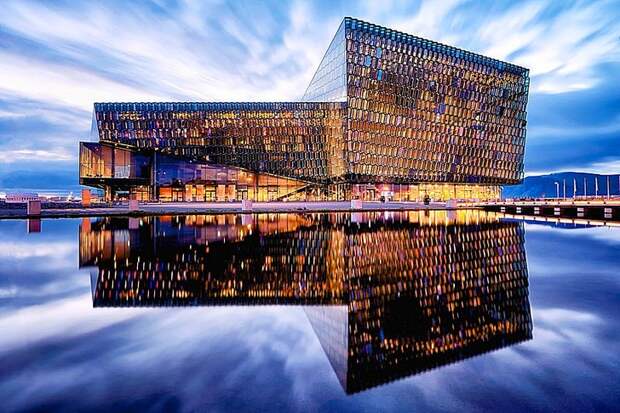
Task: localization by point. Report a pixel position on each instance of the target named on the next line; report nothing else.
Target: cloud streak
(57, 59)
(19, 155)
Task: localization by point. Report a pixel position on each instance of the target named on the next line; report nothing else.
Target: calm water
(309, 312)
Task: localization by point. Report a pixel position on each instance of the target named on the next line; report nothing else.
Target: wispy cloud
(560, 44)
(566, 133)
(610, 166)
(20, 155)
(570, 46)
(61, 58)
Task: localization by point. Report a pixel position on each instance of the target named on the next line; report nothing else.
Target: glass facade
(329, 83)
(182, 180)
(420, 111)
(385, 112)
(388, 294)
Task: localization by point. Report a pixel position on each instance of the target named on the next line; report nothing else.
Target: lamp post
(557, 189)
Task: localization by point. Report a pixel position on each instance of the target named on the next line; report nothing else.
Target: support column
(108, 193)
(154, 177)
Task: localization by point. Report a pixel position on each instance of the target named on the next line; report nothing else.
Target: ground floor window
(271, 188)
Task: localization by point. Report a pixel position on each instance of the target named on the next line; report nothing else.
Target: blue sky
(57, 58)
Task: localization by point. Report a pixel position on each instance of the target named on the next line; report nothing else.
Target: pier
(591, 208)
(206, 208)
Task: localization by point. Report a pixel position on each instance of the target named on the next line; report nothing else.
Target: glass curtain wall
(299, 140)
(420, 111)
(180, 180)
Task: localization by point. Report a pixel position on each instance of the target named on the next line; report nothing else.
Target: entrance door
(242, 193)
(210, 194)
(220, 193)
(177, 194)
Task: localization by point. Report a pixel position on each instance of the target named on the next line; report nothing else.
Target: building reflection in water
(33, 225)
(389, 294)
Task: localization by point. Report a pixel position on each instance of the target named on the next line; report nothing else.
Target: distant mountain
(544, 185)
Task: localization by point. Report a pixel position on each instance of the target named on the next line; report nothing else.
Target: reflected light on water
(388, 294)
(391, 311)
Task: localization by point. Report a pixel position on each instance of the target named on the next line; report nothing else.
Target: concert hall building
(387, 114)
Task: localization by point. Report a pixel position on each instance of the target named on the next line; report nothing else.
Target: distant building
(386, 112)
(21, 197)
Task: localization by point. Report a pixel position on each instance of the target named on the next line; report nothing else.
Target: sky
(58, 57)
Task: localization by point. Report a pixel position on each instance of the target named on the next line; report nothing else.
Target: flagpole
(607, 186)
(574, 188)
(564, 188)
(596, 187)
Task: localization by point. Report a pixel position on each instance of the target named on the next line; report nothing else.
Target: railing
(593, 201)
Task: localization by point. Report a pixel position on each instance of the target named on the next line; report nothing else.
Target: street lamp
(557, 189)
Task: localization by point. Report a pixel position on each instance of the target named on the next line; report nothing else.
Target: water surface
(391, 311)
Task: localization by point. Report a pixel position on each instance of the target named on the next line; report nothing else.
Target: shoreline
(227, 208)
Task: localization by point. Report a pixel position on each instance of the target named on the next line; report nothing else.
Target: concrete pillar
(85, 225)
(85, 197)
(33, 207)
(357, 217)
(34, 225)
(246, 205)
(247, 219)
(154, 196)
(108, 193)
(134, 223)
